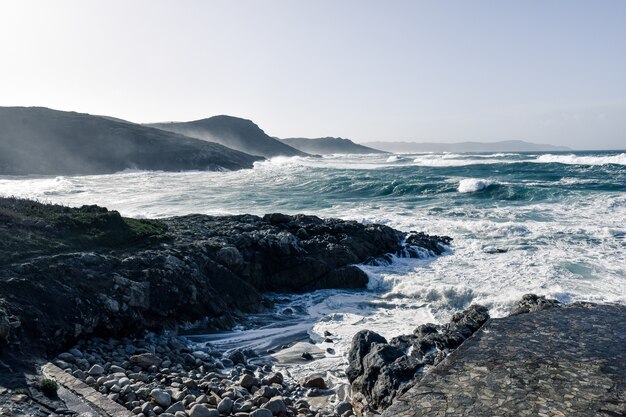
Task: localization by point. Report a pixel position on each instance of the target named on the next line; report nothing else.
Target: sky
(544, 71)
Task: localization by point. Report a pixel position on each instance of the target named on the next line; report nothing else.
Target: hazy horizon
(445, 71)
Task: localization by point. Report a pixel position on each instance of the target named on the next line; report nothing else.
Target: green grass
(30, 228)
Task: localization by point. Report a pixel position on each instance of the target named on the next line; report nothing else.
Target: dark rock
(261, 412)
(532, 302)
(145, 360)
(225, 405)
(200, 410)
(177, 406)
(88, 271)
(343, 407)
(314, 381)
(360, 346)
(379, 371)
(276, 405)
(237, 357)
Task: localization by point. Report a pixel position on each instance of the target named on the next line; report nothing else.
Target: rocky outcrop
(379, 370)
(566, 361)
(70, 273)
(532, 302)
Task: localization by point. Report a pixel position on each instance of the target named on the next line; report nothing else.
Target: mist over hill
(233, 132)
(328, 145)
(42, 141)
(501, 146)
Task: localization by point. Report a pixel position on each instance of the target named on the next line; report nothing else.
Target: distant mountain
(233, 132)
(328, 145)
(38, 140)
(502, 146)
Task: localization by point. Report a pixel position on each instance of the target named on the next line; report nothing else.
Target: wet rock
(145, 360)
(276, 405)
(343, 407)
(360, 346)
(247, 381)
(237, 357)
(225, 405)
(223, 263)
(533, 302)
(379, 371)
(314, 381)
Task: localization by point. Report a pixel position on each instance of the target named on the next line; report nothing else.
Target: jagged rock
(88, 271)
(532, 302)
(96, 370)
(361, 345)
(379, 371)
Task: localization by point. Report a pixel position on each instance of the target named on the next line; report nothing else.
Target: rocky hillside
(233, 132)
(41, 141)
(70, 273)
(325, 146)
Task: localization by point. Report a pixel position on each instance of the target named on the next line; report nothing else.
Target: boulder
(225, 406)
(276, 405)
(200, 410)
(314, 381)
(145, 360)
(161, 398)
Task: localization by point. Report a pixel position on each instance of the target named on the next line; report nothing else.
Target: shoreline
(128, 371)
(90, 276)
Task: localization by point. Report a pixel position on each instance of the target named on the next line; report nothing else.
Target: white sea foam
(572, 159)
(470, 185)
(394, 158)
(452, 161)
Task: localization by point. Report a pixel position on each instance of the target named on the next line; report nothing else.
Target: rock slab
(567, 361)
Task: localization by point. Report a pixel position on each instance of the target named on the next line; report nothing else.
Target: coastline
(71, 274)
(241, 257)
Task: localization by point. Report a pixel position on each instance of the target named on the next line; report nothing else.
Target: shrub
(49, 387)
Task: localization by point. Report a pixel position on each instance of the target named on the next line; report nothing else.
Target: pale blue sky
(544, 71)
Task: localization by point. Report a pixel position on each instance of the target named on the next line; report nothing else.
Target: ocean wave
(470, 185)
(394, 158)
(447, 161)
(572, 159)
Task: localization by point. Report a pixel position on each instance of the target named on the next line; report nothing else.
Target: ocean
(547, 223)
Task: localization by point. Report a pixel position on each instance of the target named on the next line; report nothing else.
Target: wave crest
(572, 159)
(470, 185)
